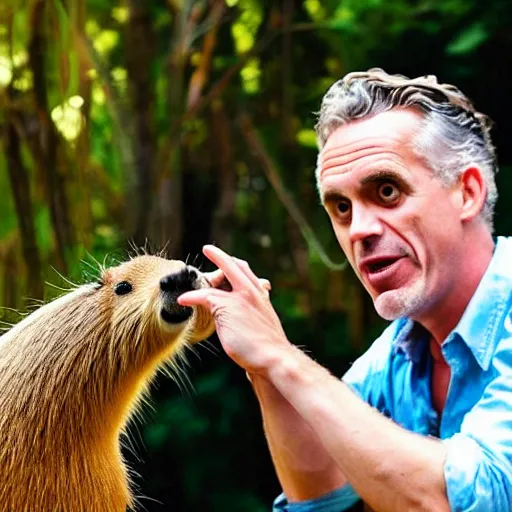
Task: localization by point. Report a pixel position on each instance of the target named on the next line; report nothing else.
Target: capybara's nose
(179, 282)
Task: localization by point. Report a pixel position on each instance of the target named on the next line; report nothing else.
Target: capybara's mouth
(177, 314)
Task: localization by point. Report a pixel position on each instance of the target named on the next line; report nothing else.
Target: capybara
(73, 373)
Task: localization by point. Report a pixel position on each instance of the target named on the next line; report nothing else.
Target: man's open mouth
(378, 265)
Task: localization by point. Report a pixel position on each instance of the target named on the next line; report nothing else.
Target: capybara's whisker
(65, 279)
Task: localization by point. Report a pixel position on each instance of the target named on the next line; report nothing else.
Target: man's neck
(444, 317)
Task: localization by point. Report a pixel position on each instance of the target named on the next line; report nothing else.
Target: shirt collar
(480, 324)
(483, 317)
(410, 339)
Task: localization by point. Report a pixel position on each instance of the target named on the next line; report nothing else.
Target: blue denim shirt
(476, 424)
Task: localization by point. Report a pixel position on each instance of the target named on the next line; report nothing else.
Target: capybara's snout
(171, 287)
(179, 282)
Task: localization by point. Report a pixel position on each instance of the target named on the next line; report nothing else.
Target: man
(423, 420)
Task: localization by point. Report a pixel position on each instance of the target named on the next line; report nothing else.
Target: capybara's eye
(123, 288)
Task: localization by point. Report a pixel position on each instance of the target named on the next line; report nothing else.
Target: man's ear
(474, 192)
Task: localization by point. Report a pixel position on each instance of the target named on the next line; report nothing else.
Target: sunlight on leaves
(246, 26)
(25, 81)
(20, 58)
(68, 118)
(195, 59)
(314, 9)
(119, 74)
(76, 101)
(307, 138)
(98, 95)
(106, 41)
(251, 74)
(105, 231)
(92, 29)
(121, 14)
(244, 32)
(344, 14)
(5, 71)
(92, 74)
(100, 211)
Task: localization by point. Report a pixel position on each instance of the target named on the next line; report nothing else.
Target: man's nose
(364, 224)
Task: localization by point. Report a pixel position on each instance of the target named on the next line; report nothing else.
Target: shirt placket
(455, 360)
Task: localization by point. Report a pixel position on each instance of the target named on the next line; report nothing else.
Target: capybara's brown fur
(71, 375)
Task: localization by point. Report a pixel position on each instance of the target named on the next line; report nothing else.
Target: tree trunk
(140, 44)
(20, 186)
(169, 211)
(224, 216)
(47, 138)
(287, 78)
(82, 208)
(10, 281)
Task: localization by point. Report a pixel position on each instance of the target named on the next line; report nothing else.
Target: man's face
(398, 225)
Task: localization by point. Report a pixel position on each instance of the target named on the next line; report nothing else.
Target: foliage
(184, 122)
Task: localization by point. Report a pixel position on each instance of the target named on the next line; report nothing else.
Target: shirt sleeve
(335, 501)
(478, 466)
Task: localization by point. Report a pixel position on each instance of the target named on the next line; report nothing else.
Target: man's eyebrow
(380, 175)
(332, 196)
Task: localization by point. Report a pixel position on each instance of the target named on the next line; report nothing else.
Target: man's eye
(343, 207)
(388, 193)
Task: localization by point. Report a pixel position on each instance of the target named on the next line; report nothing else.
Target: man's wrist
(293, 367)
(283, 360)
(277, 352)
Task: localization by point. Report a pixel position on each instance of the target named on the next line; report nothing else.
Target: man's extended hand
(247, 324)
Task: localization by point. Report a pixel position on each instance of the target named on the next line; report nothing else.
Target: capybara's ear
(203, 326)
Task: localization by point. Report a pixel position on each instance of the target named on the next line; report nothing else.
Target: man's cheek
(346, 247)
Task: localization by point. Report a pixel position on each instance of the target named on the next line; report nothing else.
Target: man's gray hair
(454, 135)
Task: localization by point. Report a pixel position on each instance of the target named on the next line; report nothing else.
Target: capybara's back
(73, 372)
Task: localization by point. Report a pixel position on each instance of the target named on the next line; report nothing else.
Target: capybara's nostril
(180, 282)
(172, 286)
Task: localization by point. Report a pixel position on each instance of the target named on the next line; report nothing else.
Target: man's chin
(387, 311)
(399, 303)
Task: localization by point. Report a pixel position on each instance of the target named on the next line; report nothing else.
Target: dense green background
(185, 122)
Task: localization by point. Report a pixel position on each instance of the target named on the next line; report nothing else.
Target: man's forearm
(390, 468)
(304, 467)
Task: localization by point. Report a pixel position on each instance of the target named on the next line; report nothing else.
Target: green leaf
(468, 40)
(307, 138)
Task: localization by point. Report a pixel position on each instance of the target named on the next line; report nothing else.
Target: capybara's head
(73, 373)
(143, 296)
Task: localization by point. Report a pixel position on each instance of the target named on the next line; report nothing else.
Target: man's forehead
(388, 132)
(346, 153)
(394, 124)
